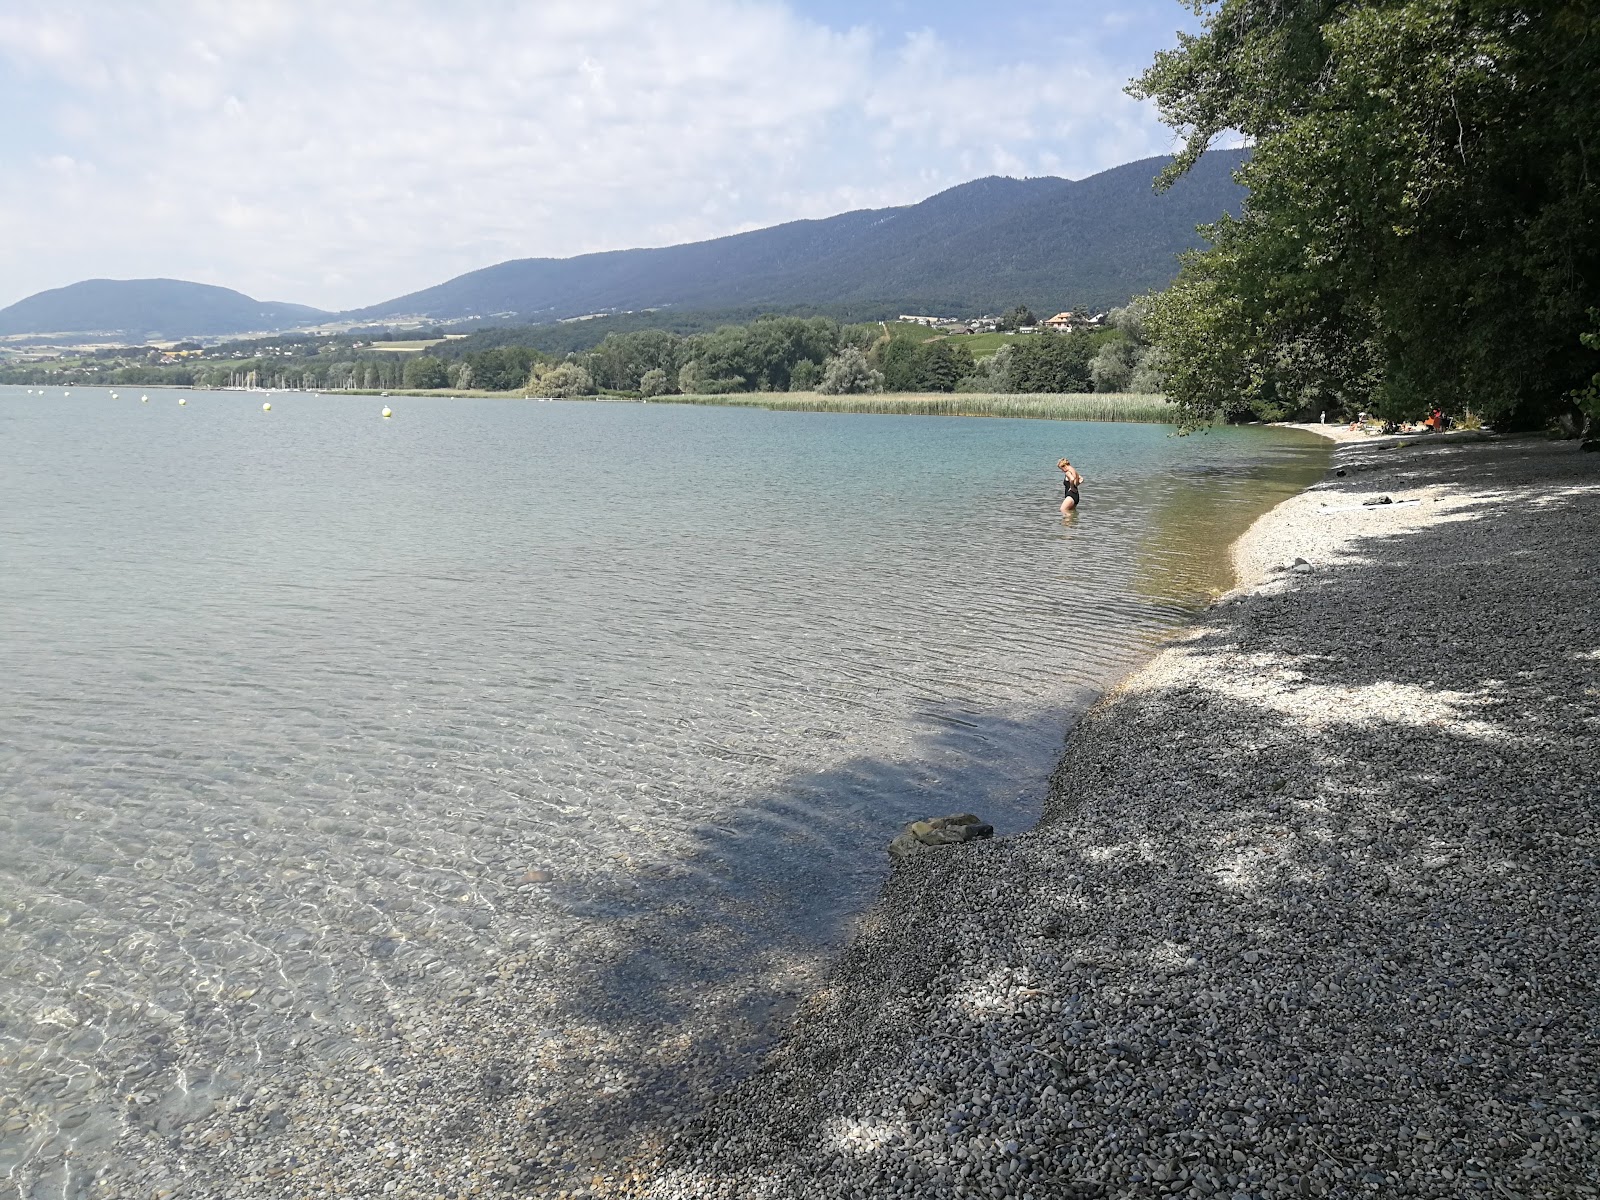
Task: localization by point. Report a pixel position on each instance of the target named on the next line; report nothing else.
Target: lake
(512, 761)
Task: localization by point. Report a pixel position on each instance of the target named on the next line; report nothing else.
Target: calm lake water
(308, 719)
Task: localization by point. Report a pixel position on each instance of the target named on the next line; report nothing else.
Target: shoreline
(1305, 912)
(1053, 406)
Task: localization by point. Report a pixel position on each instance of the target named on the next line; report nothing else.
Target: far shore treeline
(767, 354)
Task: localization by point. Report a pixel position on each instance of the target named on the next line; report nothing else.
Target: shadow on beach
(695, 968)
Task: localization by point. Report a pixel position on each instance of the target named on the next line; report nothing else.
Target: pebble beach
(1310, 911)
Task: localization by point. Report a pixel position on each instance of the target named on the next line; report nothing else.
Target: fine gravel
(1311, 910)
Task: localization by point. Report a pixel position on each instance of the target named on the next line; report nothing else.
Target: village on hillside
(1013, 322)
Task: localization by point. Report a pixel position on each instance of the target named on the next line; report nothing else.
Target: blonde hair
(1063, 463)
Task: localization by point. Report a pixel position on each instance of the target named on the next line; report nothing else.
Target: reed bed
(1071, 406)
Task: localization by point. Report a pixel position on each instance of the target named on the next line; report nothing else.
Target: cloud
(339, 154)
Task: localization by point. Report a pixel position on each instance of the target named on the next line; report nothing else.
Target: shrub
(1112, 367)
(563, 379)
(654, 383)
(804, 375)
(848, 373)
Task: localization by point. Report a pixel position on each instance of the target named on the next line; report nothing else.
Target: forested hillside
(1047, 243)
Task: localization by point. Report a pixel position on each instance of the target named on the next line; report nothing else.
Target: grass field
(983, 345)
(1076, 406)
(405, 346)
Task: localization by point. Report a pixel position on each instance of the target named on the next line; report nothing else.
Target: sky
(342, 152)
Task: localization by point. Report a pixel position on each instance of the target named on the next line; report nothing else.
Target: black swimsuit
(1070, 489)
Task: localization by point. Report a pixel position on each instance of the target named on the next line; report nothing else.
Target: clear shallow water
(308, 718)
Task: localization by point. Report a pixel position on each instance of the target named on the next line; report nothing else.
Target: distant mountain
(981, 246)
(141, 309)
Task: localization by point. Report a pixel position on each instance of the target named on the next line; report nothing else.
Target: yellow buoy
(144, 399)
(182, 400)
(266, 407)
(387, 413)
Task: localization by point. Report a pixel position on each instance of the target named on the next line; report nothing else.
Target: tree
(691, 378)
(654, 383)
(1016, 318)
(1112, 366)
(900, 366)
(563, 379)
(1149, 376)
(848, 373)
(1056, 363)
(503, 368)
(1586, 399)
(998, 369)
(622, 359)
(1422, 228)
(1126, 361)
(941, 365)
(936, 365)
(426, 372)
(804, 375)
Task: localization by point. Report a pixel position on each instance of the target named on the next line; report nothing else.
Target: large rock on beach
(938, 831)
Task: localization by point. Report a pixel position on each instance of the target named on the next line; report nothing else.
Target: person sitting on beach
(1070, 482)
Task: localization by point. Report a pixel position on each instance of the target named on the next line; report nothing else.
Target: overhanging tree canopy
(1423, 225)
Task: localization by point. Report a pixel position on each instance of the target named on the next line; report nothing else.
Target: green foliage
(860, 336)
(804, 376)
(849, 373)
(1149, 376)
(562, 380)
(981, 345)
(621, 360)
(576, 337)
(935, 365)
(1422, 228)
(991, 374)
(654, 382)
(1052, 362)
(759, 356)
(1126, 361)
(1112, 366)
(897, 359)
(1016, 318)
(503, 369)
(424, 371)
(1587, 397)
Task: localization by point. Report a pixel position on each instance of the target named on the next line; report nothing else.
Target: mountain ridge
(982, 245)
(1095, 241)
(146, 308)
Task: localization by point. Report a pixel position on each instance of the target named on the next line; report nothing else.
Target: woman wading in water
(1070, 482)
